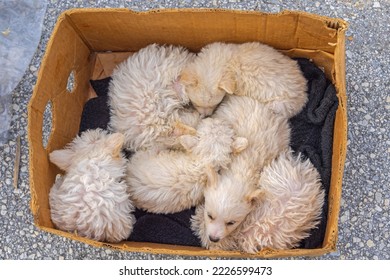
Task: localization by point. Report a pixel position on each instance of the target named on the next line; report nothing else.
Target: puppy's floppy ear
(228, 82)
(212, 176)
(62, 158)
(239, 144)
(188, 142)
(188, 77)
(115, 143)
(255, 197)
(183, 129)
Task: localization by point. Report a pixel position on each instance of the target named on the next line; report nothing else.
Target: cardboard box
(81, 34)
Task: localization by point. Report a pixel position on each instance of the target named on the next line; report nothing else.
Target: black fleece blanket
(311, 135)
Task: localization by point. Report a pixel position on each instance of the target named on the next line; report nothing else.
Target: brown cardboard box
(80, 41)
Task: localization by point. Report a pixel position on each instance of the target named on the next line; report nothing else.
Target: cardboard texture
(90, 42)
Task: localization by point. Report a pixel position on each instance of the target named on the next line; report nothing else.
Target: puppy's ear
(255, 197)
(188, 142)
(239, 144)
(228, 83)
(212, 177)
(187, 78)
(115, 143)
(62, 158)
(183, 129)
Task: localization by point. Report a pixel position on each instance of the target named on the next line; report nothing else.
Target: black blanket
(311, 134)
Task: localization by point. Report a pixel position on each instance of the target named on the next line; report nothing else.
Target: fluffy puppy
(172, 181)
(290, 206)
(92, 197)
(233, 193)
(249, 69)
(147, 103)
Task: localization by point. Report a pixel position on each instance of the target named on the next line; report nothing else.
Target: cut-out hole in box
(47, 124)
(71, 82)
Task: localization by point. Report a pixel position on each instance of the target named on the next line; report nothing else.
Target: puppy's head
(207, 79)
(226, 204)
(91, 144)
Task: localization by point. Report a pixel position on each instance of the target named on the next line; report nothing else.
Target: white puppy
(232, 194)
(147, 101)
(92, 197)
(290, 206)
(249, 69)
(172, 181)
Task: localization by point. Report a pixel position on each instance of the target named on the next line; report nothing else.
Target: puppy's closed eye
(210, 217)
(230, 223)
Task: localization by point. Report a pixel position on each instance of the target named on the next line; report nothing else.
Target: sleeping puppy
(249, 69)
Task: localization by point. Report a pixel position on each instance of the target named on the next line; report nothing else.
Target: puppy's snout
(214, 239)
(205, 112)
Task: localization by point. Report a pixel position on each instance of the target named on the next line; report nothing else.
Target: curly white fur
(171, 181)
(92, 198)
(249, 69)
(231, 195)
(146, 101)
(290, 206)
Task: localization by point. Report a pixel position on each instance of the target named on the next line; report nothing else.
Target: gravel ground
(364, 224)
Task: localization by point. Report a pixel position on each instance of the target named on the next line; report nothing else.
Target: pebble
(377, 5)
(378, 197)
(370, 243)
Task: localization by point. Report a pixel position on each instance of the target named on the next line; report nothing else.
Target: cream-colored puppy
(92, 198)
(233, 193)
(290, 206)
(172, 181)
(147, 103)
(249, 69)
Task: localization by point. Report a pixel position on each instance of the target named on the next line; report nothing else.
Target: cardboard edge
(165, 249)
(333, 23)
(339, 72)
(30, 111)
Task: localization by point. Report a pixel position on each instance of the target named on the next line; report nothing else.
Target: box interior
(88, 43)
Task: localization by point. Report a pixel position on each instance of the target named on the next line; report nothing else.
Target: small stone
(344, 218)
(317, 4)
(388, 99)
(378, 197)
(377, 5)
(61, 258)
(365, 84)
(377, 208)
(367, 117)
(364, 122)
(370, 243)
(33, 68)
(356, 87)
(3, 212)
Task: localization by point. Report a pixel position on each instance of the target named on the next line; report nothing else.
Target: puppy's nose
(213, 239)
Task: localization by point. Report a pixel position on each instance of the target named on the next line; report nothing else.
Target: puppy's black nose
(213, 239)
